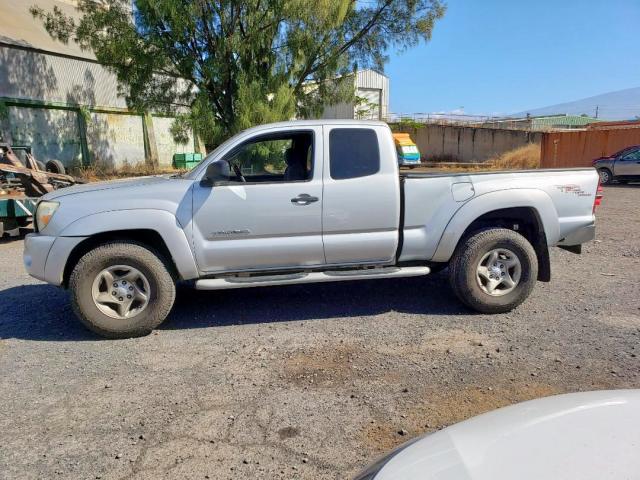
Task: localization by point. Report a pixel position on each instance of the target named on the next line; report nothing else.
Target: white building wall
(30, 75)
(370, 79)
(45, 82)
(339, 111)
(369, 84)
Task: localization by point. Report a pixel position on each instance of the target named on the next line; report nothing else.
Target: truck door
(269, 215)
(361, 199)
(628, 164)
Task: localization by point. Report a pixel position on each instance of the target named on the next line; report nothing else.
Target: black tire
(55, 166)
(162, 289)
(41, 166)
(606, 177)
(437, 267)
(467, 257)
(23, 221)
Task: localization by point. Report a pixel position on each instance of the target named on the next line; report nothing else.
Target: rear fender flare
(478, 206)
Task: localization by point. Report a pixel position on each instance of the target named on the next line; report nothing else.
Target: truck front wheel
(121, 290)
(494, 270)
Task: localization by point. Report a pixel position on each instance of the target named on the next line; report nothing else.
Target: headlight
(44, 212)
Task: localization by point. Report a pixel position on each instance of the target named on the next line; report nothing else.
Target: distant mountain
(619, 105)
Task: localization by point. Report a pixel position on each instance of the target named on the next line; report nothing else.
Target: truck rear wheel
(494, 270)
(121, 290)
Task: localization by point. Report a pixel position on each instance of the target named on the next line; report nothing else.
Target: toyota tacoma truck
(301, 202)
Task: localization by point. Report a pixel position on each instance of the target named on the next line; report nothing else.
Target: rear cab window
(353, 153)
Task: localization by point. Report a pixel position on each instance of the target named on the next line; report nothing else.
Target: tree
(222, 66)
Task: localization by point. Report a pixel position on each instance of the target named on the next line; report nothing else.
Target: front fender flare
(539, 200)
(160, 221)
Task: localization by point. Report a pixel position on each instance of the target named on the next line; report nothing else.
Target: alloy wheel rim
(121, 292)
(498, 272)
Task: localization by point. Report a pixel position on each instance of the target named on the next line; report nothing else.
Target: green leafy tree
(222, 66)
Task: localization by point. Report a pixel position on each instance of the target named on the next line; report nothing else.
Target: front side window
(284, 157)
(633, 155)
(353, 153)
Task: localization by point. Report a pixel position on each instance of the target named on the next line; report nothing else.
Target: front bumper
(45, 257)
(579, 236)
(36, 251)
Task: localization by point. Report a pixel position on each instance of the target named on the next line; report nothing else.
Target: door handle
(303, 199)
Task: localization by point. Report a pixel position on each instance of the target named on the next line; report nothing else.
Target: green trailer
(16, 212)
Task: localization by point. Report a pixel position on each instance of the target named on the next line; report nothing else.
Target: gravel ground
(308, 382)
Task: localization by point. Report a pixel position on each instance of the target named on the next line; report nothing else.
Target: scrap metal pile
(28, 175)
(22, 181)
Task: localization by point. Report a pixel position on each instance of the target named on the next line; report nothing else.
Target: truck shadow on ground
(43, 312)
(429, 295)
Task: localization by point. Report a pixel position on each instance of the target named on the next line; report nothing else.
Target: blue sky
(507, 56)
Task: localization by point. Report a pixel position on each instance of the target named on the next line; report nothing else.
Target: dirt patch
(438, 409)
(288, 432)
(326, 367)
(621, 321)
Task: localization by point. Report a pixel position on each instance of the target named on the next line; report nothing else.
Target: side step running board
(310, 277)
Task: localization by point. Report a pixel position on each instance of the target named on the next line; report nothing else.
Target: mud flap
(572, 248)
(544, 262)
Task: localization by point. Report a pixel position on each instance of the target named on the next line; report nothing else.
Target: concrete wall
(52, 134)
(467, 144)
(115, 139)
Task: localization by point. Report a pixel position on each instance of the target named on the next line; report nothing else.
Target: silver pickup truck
(300, 202)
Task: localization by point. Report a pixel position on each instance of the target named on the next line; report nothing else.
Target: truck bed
(435, 203)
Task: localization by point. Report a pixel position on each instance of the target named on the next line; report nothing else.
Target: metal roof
(614, 125)
(562, 120)
(18, 27)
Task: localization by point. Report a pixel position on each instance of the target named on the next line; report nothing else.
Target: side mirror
(217, 172)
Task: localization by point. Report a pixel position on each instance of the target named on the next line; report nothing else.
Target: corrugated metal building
(372, 98)
(59, 100)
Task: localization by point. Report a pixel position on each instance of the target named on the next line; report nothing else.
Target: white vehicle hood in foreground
(580, 436)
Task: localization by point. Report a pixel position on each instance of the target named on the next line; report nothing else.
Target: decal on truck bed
(574, 189)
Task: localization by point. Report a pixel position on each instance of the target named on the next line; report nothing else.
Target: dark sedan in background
(622, 166)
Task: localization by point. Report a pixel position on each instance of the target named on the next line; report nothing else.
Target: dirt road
(304, 382)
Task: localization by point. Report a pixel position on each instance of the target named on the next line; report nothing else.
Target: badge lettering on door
(229, 233)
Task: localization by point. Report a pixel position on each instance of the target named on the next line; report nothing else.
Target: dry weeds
(527, 157)
(100, 172)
